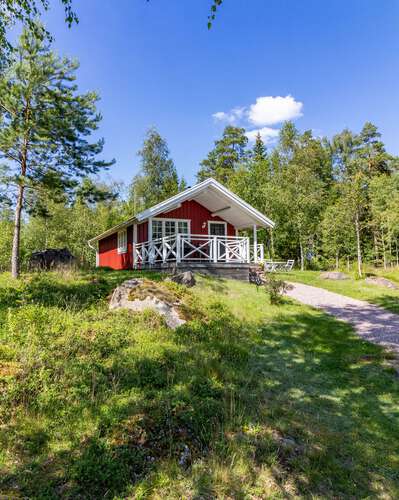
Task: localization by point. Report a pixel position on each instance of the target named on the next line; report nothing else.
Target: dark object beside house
(51, 258)
(255, 277)
(187, 278)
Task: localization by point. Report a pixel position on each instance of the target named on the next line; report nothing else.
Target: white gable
(218, 200)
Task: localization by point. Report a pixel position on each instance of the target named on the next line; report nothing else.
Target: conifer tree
(44, 128)
(229, 152)
(259, 149)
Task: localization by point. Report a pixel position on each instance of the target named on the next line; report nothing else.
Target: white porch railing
(195, 247)
(259, 255)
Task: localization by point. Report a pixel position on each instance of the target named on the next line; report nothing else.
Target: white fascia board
(168, 205)
(190, 193)
(112, 230)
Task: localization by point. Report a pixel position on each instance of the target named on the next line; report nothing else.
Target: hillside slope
(246, 400)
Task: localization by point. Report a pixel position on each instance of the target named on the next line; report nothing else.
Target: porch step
(238, 271)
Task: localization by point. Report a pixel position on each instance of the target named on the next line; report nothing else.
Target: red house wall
(198, 215)
(142, 232)
(108, 252)
(191, 210)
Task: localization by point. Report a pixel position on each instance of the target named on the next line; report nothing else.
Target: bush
(275, 287)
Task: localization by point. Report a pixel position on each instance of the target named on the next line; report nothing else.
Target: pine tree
(229, 152)
(259, 150)
(158, 179)
(44, 126)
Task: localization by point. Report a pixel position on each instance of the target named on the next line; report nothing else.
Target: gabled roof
(211, 194)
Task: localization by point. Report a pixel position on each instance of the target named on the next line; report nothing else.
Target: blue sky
(156, 63)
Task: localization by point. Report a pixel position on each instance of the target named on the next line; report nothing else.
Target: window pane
(122, 241)
(156, 229)
(183, 227)
(170, 227)
(217, 229)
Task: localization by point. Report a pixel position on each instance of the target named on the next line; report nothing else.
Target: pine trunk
(359, 251)
(17, 233)
(337, 261)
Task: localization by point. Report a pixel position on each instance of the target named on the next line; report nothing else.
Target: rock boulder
(379, 280)
(333, 275)
(122, 298)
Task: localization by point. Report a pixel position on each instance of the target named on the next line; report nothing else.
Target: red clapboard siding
(142, 232)
(108, 252)
(199, 216)
(191, 210)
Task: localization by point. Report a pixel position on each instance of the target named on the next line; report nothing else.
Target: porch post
(215, 249)
(255, 245)
(150, 247)
(178, 248)
(134, 256)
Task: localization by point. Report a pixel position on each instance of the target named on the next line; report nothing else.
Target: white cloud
(270, 110)
(267, 134)
(231, 117)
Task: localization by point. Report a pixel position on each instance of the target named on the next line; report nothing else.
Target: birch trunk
(302, 255)
(271, 243)
(359, 251)
(384, 253)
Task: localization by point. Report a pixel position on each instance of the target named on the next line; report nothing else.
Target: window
(122, 241)
(156, 229)
(217, 228)
(169, 227)
(182, 227)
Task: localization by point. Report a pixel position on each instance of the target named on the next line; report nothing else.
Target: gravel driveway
(373, 323)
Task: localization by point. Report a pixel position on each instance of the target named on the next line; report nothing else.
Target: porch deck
(202, 249)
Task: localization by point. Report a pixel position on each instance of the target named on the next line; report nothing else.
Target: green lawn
(246, 400)
(356, 288)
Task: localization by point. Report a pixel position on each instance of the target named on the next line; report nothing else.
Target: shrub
(275, 287)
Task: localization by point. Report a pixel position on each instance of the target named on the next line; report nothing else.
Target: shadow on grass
(303, 398)
(388, 302)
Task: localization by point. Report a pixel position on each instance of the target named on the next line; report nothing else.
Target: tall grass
(244, 400)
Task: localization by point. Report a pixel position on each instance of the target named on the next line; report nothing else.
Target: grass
(356, 288)
(246, 400)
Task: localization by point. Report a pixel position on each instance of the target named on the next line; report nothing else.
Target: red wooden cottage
(197, 228)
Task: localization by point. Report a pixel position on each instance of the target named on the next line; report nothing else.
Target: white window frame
(217, 222)
(176, 221)
(122, 241)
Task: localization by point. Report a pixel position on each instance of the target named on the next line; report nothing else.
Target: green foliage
(229, 152)
(96, 403)
(275, 287)
(158, 179)
(44, 130)
(26, 12)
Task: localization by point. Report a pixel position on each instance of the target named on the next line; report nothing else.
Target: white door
(219, 229)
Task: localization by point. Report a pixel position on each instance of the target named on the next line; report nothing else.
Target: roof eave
(112, 230)
(168, 205)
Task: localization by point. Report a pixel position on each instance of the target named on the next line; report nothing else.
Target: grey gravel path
(371, 322)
